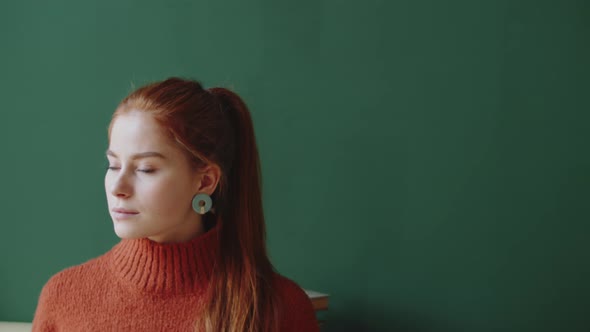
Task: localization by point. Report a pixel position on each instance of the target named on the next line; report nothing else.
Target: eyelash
(140, 170)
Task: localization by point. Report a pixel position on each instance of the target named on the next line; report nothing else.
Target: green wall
(424, 162)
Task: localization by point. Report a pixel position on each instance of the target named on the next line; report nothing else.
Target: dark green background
(424, 162)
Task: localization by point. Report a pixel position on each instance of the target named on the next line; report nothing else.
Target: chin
(129, 233)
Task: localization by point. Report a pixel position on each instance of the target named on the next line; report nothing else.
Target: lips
(119, 210)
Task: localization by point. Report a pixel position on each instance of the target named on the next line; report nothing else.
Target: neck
(189, 230)
(148, 266)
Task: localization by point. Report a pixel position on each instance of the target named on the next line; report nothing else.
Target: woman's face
(149, 183)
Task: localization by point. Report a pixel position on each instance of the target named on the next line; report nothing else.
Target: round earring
(202, 203)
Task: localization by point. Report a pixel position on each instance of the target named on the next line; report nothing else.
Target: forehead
(137, 132)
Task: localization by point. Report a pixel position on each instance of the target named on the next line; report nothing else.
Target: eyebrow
(139, 155)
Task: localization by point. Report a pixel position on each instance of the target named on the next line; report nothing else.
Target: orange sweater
(141, 285)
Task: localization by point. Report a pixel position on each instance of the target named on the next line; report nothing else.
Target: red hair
(215, 127)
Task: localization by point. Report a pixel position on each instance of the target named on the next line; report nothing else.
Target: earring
(198, 200)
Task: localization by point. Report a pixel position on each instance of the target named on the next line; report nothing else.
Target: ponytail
(242, 295)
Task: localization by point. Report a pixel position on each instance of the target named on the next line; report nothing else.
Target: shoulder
(288, 288)
(298, 312)
(59, 292)
(72, 277)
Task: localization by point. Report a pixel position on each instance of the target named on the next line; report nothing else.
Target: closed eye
(145, 170)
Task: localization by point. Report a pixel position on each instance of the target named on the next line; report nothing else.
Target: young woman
(184, 192)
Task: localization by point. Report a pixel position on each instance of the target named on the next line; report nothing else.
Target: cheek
(107, 187)
(164, 197)
(109, 179)
(106, 184)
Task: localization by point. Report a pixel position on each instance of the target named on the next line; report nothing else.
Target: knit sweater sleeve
(298, 312)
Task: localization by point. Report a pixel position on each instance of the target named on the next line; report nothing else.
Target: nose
(120, 187)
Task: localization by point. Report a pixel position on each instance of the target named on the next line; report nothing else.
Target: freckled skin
(161, 190)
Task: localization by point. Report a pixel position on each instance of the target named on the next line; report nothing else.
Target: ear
(207, 178)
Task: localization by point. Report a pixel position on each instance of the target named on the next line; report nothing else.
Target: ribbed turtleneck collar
(173, 268)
